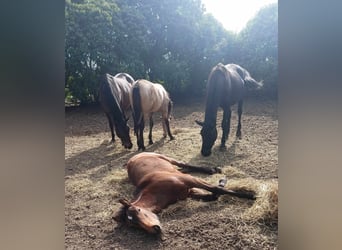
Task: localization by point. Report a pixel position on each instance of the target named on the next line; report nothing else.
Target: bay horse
(226, 86)
(159, 184)
(147, 98)
(114, 98)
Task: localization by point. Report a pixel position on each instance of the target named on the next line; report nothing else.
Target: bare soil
(95, 179)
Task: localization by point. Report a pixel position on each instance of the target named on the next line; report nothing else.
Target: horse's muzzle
(206, 152)
(157, 229)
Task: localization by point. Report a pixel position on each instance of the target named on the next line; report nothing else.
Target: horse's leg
(186, 168)
(150, 142)
(199, 194)
(140, 136)
(168, 129)
(111, 128)
(164, 129)
(238, 131)
(193, 182)
(167, 125)
(225, 126)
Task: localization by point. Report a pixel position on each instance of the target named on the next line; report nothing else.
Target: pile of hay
(265, 207)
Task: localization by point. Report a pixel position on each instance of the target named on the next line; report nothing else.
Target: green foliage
(172, 42)
(259, 46)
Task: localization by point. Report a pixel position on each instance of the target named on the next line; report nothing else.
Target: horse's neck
(212, 105)
(147, 201)
(117, 109)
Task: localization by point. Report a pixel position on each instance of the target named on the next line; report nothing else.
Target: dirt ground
(95, 180)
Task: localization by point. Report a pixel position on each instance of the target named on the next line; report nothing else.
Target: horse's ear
(199, 123)
(125, 202)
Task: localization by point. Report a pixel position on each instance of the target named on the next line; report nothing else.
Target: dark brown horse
(114, 99)
(226, 86)
(146, 99)
(158, 184)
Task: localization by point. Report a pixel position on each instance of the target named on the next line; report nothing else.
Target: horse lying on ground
(158, 184)
(146, 98)
(114, 99)
(226, 86)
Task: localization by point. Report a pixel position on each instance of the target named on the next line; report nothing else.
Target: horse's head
(139, 217)
(209, 135)
(122, 130)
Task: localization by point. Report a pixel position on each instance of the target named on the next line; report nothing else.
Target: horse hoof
(223, 148)
(172, 138)
(150, 142)
(217, 170)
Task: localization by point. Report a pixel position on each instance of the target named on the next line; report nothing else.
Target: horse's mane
(217, 78)
(113, 99)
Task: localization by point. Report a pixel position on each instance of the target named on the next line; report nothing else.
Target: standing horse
(146, 98)
(114, 99)
(226, 86)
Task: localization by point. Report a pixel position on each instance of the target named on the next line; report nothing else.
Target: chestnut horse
(158, 184)
(226, 86)
(114, 99)
(147, 98)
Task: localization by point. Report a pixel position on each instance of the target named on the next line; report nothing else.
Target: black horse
(226, 86)
(114, 99)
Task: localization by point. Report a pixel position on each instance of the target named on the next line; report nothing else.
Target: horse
(146, 98)
(114, 99)
(226, 86)
(159, 183)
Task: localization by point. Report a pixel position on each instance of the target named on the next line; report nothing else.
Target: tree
(90, 45)
(174, 43)
(258, 50)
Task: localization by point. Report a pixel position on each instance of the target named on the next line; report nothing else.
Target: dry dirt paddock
(95, 180)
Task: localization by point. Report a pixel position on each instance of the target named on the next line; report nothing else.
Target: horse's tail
(169, 109)
(252, 81)
(137, 114)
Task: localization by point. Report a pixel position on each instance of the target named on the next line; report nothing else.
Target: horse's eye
(138, 209)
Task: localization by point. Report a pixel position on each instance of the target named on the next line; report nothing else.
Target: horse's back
(125, 76)
(123, 87)
(146, 163)
(153, 96)
(155, 174)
